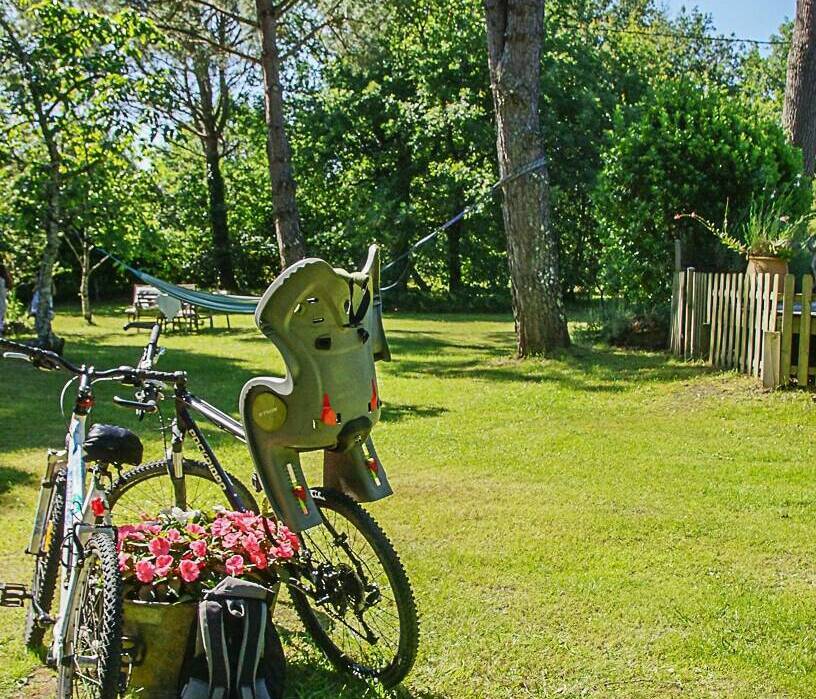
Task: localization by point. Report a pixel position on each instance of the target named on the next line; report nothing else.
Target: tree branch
(227, 13)
(199, 39)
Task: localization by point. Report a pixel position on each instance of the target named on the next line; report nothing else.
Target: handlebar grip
(146, 407)
(154, 334)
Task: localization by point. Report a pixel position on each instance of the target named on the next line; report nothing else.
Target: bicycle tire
(158, 469)
(395, 671)
(46, 566)
(99, 613)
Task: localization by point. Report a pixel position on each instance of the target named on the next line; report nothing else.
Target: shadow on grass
(309, 675)
(10, 477)
(587, 368)
(397, 412)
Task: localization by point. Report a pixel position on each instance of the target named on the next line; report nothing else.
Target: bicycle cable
(62, 400)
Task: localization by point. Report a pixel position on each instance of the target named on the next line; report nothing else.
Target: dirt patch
(41, 684)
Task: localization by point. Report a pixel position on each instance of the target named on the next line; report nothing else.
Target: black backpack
(236, 652)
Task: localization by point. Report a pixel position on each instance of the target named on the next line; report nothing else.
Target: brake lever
(16, 355)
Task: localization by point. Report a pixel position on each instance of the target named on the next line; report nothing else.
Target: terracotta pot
(159, 633)
(767, 265)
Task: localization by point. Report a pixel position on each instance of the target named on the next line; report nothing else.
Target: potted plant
(168, 562)
(768, 237)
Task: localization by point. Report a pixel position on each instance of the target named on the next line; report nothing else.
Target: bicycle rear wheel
(367, 624)
(94, 667)
(147, 489)
(46, 568)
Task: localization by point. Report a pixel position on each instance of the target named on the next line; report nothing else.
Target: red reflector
(98, 506)
(373, 404)
(327, 415)
(299, 492)
(373, 466)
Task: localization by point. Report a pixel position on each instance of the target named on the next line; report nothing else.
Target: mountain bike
(72, 528)
(348, 584)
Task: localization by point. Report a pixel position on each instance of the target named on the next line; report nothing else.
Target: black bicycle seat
(113, 445)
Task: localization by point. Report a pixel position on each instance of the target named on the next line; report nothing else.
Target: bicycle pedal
(13, 595)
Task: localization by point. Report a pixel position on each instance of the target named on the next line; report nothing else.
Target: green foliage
(66, 79)
(683, 148)
(768, 229)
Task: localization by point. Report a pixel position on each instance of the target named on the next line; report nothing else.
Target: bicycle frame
(80, 520)
(86, 511)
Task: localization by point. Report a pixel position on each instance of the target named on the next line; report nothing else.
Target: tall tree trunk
(45, 279)
(514, 31)
(84, 281)
(291, 246)
(799, 112)
(218, 214)
(216, 190)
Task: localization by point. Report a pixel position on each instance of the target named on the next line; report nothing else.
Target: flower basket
(158, 634)
(168, 563)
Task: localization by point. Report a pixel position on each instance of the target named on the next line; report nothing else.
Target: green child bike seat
(327, 325)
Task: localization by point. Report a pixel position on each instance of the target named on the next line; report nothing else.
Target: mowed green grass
(605, 524)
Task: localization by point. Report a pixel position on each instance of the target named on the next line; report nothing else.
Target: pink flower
(199, 548)
(173, 535)
(195, 529)
(128, 531)
(189, 571)
(245, 521)
(151, 528)
(220, 526)
(292, 538)
(163, 565)
(159, 546)
(232, 539)
(145, 571)
(250, 543)
(235, 565)
(124, 561)
(283, 550)
(259, 560)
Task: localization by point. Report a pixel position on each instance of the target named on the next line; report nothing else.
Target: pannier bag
(237, 652)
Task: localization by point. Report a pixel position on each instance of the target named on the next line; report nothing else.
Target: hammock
(222, 303)
(229, 303)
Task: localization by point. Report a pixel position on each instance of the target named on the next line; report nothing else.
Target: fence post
(787, 329)
(770, 359)
(804, 331)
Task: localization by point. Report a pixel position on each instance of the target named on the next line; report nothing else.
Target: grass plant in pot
(768, 236)
(168, 563)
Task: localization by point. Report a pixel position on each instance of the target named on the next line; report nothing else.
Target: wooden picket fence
(753, 324)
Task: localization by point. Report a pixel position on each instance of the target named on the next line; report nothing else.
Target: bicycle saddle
(113, 445)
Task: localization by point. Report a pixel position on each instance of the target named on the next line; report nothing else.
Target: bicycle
(348, 586)
(73, 523)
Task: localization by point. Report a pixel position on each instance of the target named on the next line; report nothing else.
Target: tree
(284, 27)
(514, 32)
(63, 75)
(105, 207)
(684, 148)
(202, 68)
(799, 114)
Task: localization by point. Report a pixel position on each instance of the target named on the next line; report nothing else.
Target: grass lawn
(608, 524)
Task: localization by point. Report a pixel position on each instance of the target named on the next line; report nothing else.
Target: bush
(684, 148)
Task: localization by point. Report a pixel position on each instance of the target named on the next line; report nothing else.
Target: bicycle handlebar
(40, 358)
(44, 359)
